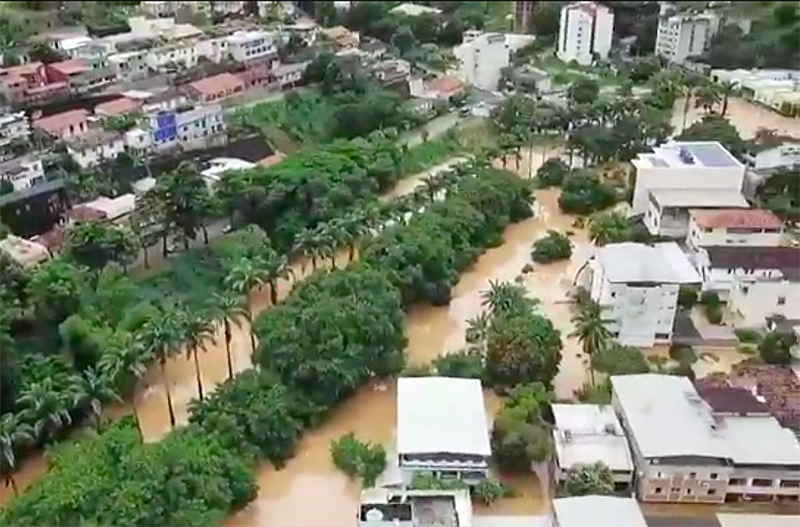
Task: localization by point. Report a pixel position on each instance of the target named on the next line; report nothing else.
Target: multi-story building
(130, 65)
(63, 125)
(668, 210)
(523, 16)
(22, 172)
(777, 89)
(584, 33)
(756, 300)
(95, 147)
(14, 127)
(683, 36)
(172, 57)
(700, 167)
(442, 429)
(382, 507)
(253, 47)
(28, 83)
(638, 284)
(734, 227)
(719, 266)
(201, 127)
(692, 450)
(482, 56)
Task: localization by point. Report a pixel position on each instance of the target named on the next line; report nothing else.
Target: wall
(699, 237)
(88, 157)
(755, 301)
(685, 178)
(34, 173)
(782, 156)
(684, 483)
(671, 222)
(720, 280)
(482, 59)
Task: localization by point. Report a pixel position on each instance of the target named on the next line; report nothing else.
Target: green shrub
(551, 173)
(714, 313)
(358, 459)
(682, 353)
(466, 364)
(687, 297)
(427, 481)
(554, 246)
(749, 336)
(489, 491)
(710, 298)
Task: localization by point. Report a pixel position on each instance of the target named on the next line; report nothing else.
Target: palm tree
(231, 309)
(307, 243)
(245, 276)
(707, 97)
(96, 391)
(505, 297)
(478, 328)
(610, 227)
(432, 183)
(276, 268)
(353, 227)
(591, 330)
(14, 432)
(726, 89)
(195, 330)
(123, 360)
(49, 404)
(160, 337)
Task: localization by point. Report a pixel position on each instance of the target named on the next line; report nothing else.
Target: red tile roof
(447, 85)
(224, 82)
(117, 107)
(736, 219)
(69, 67)
(256, 74)
(24, 69)
(54, 124)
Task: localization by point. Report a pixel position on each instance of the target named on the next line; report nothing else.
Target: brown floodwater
(744, 115)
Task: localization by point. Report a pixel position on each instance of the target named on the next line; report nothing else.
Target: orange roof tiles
(447, 84)
(54, 124)
(69, 67)
(117, 107)
(737, 219)
(224, 82)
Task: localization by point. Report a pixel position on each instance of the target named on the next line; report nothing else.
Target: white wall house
(733, 227)
(756, 300)
(681, 165)
(786, 155)
(199, 125)
(719, 266)
(669, 209)
(772, 88)
(253, 46)
(181, 54)
(219, 166)
(591, 433)
(23, 172)
(683, 36)
(442, 428)
(585, 31)
(483, 55)
(130, 65)
(95, 147)
(694, 450)
(14, 126)
(639, 285)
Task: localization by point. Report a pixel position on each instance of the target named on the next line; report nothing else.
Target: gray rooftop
(588, 433)
(636, 262)
(696, 154)
(598, 511)
(711, 154)
(700, 198)
(666, 417)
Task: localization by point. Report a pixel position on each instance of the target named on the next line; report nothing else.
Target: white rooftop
(240, 37)
(688, 154)
(113, 207)
(588, 433)
(598, 511)
(666, 417)
(221, 165)
(415, 10)
(637, 262)
(68, 44)
(757, 520)
(441, 415)
(700, 198)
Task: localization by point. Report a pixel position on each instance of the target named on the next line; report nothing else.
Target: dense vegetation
(555, 246)
(520, 435)
(589, 480)
(359, 459)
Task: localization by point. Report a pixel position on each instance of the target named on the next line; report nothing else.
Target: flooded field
(744, 115)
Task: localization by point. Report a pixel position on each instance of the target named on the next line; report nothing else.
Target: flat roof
(588, 433)
(637, 262)
(700, 198)
(667, 418)
(757, 520)
(598, 511)
(682, 154)
(441, 415)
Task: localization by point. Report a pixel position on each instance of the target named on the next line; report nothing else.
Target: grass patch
(302, 118)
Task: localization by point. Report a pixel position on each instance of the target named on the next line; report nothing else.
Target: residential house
(777, 89)
(379, 507)
(28, 84)
(482, 57)
(756, 300)
(584, 32)
(172, 57)
(413, 10)
(162, 28)
(341, 37)
(683, 36)
(372, 49)
(588, 433)
(92, 80)
(733, 227)
(597, 511)
(443, 88)
(532, 80)
(201, 127)
(442, 428)
(35, 209)
(118, 107)
(682, 165)
(216, 88)
(257, 76)
(63, 125)
(109, 209)
(66, 70)
(253, 48)
(307, 30)
(720, 265)
(14, 127)
(289, 75)
(639, 285)
(95, 147)
(686, 451)
(23, 172)
(27, 253)
(669, 209)
(766, 158)
(158, 100)
(393, 74)
(130, 65)
(219, 166)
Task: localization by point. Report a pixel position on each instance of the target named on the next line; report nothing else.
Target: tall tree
(591, 330)
(14, 433)
(124, 361)
(231, 308)
(94, 245)
(96, 390)
(161, 338)
(195, 331)
(245, 276)
(49, 405)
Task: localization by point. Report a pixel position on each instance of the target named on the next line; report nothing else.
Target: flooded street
(744, 115)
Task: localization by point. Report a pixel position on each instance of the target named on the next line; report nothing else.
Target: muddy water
(744, 115)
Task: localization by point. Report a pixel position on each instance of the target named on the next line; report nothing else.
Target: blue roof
(710, 154)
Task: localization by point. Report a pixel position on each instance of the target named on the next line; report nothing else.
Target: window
(713, 476)
(676, 490)
(790, 483)
(658, 490)
(692, 474)
(712, 492)
(689, 492)
(759, 482)
(781, 300)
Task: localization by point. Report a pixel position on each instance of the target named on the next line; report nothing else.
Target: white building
(173, 56)
(690, 450)
(786, 155)
(94, 147)
(414, 508)
(200, 125)
(222, 165)
(597, 511)
(584, 33)
(680, 165)
(482, 55)
(414, 10)
(638, 284)
(253, 46)
(130, 65)
(590, 433)
(442, 428)
(773, 88)
(725, 227)
(668, 210)
(756, 300)
(23, 172)
(14, 126)
(683, 36)
(720, 265)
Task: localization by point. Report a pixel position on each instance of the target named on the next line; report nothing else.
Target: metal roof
(598, 511)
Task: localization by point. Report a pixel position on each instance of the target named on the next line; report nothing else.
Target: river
(744, 115)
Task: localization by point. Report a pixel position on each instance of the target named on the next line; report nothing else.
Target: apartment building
(482, 56)
(733, 227)
(201, 127)
(639, 285)
(691, 450)
(704, 167)
(683, 36)
(14, 127)
(94, 147)
(130, 65)
(172, 57)
(588, 433)
(253, 47)
(523, 16)
(63, 125)
(584, 33)
(442, 429)
(720, 265)
(753, 301)
(669, 210)
(22, 172)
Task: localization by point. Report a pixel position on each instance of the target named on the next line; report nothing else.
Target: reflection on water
(745, 116)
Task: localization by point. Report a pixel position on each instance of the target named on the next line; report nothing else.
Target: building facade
(733, 227)
(669, 210)
(756, 300)
(201, 127)
(684, 36)
(22, 172)
(14, 127)
(719, 266)
(585, 32)
(767, 160)
(253, 47)
(95, 147)
(523, 16)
